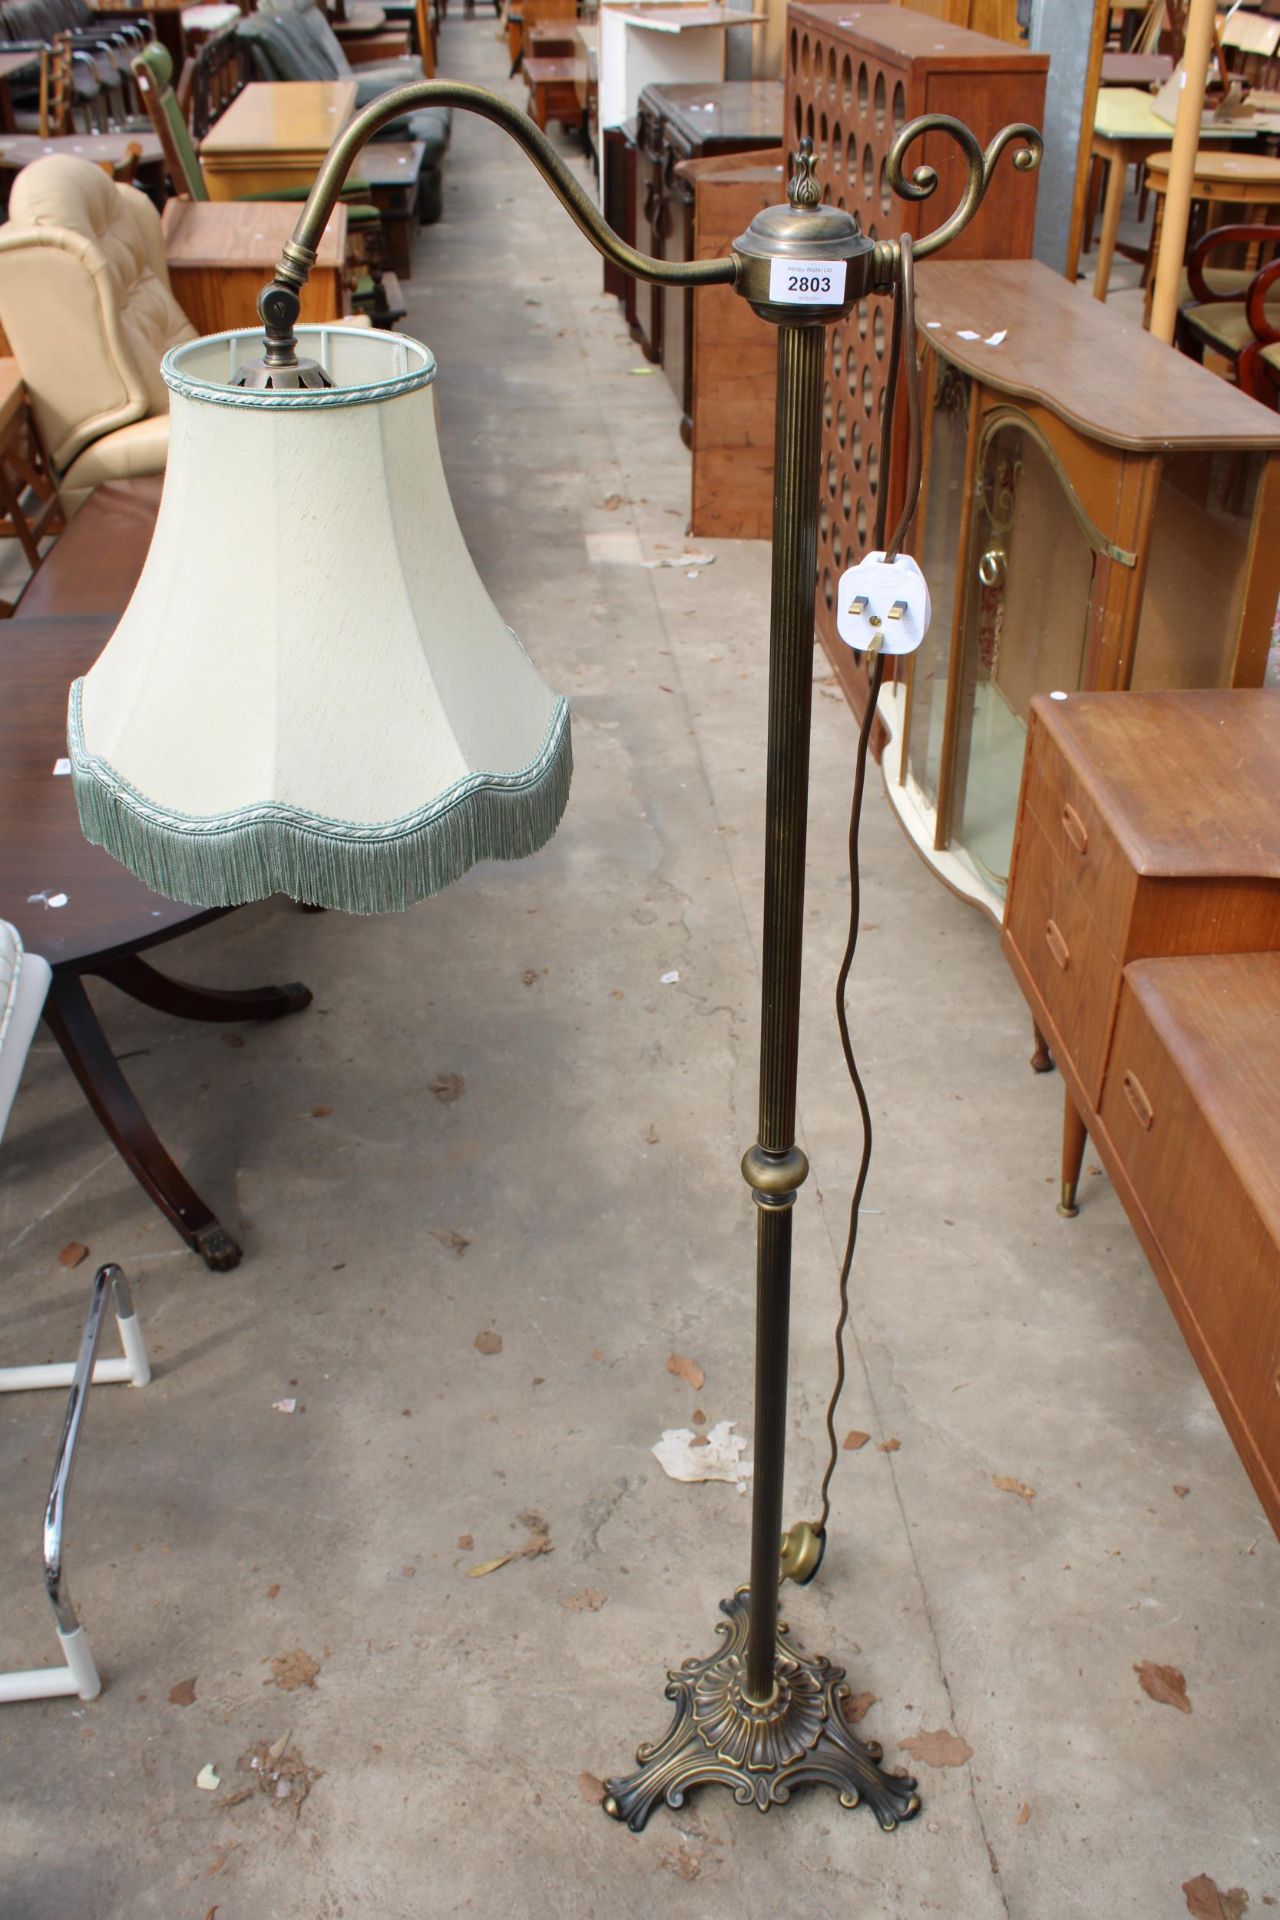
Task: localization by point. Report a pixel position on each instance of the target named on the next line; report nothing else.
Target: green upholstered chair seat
(1223, 324)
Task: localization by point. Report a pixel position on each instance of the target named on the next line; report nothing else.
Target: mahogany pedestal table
(109, 920)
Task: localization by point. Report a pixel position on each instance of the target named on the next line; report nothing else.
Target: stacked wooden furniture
(734, 355)
(677, 124)
(1098, 512)
(855, 76)
(1143, 926)
(553, 90)
(274, 136)
(221, 254)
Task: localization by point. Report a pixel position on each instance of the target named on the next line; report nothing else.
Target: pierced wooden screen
(855, 76)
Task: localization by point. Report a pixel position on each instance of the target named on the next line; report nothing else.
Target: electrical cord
(903, 330)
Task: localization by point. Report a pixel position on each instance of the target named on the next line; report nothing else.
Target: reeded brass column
(775, 1168)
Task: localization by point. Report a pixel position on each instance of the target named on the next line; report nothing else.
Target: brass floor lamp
(756, 1715)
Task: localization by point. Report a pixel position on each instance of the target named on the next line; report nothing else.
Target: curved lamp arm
(278, 303)
(980, 165)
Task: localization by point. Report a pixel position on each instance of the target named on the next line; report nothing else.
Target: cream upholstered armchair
(86, 305)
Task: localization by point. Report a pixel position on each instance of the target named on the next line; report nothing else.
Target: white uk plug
(883, 604)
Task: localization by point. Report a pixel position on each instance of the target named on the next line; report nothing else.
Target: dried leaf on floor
(72, 1254)
(488, 1566)
(855, 1439)
(589, 1600)
(678, 1860)
(1182, 1492)
(273, 1590)
(529, 976)
(591, 1789)
(448, 1087)
(321, 1113)
(1007, 1484)
(1206, 1901)
(449, 1237)
(611, 502)
(890, 1446)
(278, 1771)
(1165, 1685)
(466, 1542)
(651, 1138)
(291, 1670)
(698, 1417)
(488, 1342)
(858, 1706)
(700, 1440)
(937, 1747)
(1023, 1814)
(687, 1370)
(535, 1544)
(183, 1693)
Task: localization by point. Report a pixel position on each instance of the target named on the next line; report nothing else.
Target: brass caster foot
(803, 1549)
(721, 1737)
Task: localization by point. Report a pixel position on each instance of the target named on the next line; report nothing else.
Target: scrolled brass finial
(802, 188)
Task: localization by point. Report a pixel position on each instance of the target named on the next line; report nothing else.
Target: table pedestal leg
(141, 982)
(74, 1025)
(1111, 207)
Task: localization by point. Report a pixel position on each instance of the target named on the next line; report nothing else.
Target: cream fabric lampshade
(310, 691)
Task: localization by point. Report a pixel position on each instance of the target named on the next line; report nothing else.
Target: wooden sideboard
(1143, 926)
(675, 124)
(1097, 512)
(220, 254)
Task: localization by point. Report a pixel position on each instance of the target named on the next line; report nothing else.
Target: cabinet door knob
(1143, 1110)
(1075, 829)
(991, 567)
(1057, 945)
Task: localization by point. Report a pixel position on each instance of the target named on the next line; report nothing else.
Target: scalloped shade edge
(229, 860)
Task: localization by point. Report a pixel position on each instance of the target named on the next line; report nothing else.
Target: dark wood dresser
(690, 121)
(1143, 926)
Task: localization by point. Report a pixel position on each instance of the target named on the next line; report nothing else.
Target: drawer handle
(1144, 1113)
(1075, 829)
(1057, 945)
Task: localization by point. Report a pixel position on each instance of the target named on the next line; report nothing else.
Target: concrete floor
(590, 1162)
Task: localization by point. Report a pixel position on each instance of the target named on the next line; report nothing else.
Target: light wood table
(222, 253)
(273, 135)
(1126, 131)
(1247, 180)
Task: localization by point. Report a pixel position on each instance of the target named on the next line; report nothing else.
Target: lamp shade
(310, 691)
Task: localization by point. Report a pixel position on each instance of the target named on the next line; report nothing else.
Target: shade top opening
(365, 366)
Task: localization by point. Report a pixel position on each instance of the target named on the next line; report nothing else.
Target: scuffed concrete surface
(590, 1162)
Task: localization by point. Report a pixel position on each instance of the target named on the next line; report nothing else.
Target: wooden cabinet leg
(1041, 1058)
(1074, 1135)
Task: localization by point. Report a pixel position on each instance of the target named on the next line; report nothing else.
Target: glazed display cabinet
(855, 76)
(1098, 512)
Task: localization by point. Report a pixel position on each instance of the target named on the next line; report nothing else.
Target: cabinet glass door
(1030, 580)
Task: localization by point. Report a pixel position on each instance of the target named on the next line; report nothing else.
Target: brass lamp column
(755, 1715)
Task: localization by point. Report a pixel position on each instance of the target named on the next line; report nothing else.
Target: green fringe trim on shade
(226, 860)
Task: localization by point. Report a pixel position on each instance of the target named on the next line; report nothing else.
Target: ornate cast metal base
(800, 1738)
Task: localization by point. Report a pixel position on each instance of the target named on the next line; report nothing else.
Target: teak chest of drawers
(1143, 926)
